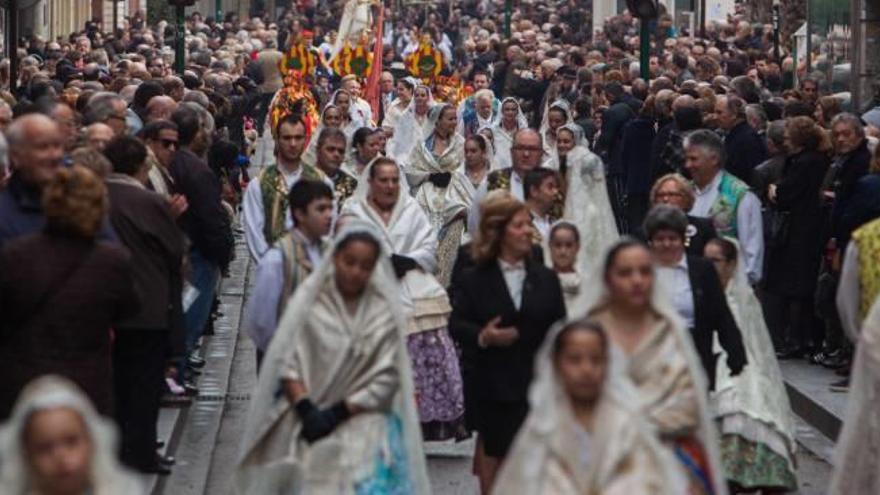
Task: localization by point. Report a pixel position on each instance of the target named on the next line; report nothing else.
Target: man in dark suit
(205, 222)
(142, 219)
(743, 147)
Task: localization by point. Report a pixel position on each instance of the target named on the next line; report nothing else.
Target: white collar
(507, 266)
(711, 186)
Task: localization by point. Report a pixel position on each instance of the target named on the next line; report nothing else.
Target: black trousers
(139, 359)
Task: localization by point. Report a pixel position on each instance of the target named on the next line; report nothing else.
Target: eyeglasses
(167, 143)
(666, 195)
(533, 149)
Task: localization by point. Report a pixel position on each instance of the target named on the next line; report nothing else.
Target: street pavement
(205, 438)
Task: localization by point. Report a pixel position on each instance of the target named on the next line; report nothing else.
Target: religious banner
(426, 62)
(299, 58)
(357, 60)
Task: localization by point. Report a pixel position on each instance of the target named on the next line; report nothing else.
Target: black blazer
(703, 231)
(711, 314)
(504, 373)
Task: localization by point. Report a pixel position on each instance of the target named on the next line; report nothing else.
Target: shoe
(194, 361)
(190, 371)
(844, 370)
(840, 360)
(190, 389)
(166, 460)
(160, 444)
(841, 386)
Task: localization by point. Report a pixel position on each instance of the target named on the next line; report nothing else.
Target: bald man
(36, 150)
(527, 153)
(98, 135)
(160, 108)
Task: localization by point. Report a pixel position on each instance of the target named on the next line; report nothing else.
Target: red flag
(372, 92)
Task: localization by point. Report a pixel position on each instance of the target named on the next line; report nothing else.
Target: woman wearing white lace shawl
(334, 411)
(352, 118)
(413, 126)
(756, 421)
(660, 360)
(857, 455)
(51, 411)
(435, 173)
(512, 119)
(382, 199)
(586, 195)
(331, 117)
(557, 115)
(584, 433)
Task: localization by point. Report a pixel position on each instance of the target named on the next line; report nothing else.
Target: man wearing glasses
(527, 153)
(161, 139)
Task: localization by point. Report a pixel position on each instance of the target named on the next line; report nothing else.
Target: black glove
(318, 423)
(402, 264)
(440, 179)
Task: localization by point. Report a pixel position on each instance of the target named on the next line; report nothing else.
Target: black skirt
(498, 423)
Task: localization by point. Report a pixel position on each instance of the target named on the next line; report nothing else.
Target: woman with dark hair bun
(61, 291)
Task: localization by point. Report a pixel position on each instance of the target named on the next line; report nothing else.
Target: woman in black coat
(795, 255)
(502, 310)
(61, 291)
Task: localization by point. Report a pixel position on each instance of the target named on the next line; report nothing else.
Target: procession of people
(462, 225)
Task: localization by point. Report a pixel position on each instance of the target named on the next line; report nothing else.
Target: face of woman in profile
(517, 240)
(59, 451)
(564, 141)
(563, 249)
(581, 362)
(354, 263)
(630, 277)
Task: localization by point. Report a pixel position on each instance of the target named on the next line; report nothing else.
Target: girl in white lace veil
(412, 127)
(755, 415)
(503, 132)
(47, 393)
(857, 454)
(555, 454)
(337, 355)
(672, 337)
(565, 243)
(586, 195)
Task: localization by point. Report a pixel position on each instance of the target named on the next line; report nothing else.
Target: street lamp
(180, 39)
(645, 10)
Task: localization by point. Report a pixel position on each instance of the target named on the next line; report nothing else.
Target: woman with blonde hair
(796, 251)
(44, 325)
(501, 313)
(676, 190)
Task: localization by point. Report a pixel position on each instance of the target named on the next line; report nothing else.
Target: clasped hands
(494, 335)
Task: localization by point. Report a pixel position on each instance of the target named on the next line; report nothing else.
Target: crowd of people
(592, 273)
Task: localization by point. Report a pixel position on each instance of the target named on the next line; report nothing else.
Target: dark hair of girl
(479, 139)
(624, 243)
(579, 325)
(359, 237)
(728, 248)
(566, 226)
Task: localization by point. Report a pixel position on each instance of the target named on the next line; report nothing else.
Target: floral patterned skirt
(438, 384)
(753, 466)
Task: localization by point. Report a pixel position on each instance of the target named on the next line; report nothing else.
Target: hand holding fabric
(402, 264)
(318, 423)
(440, 179)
